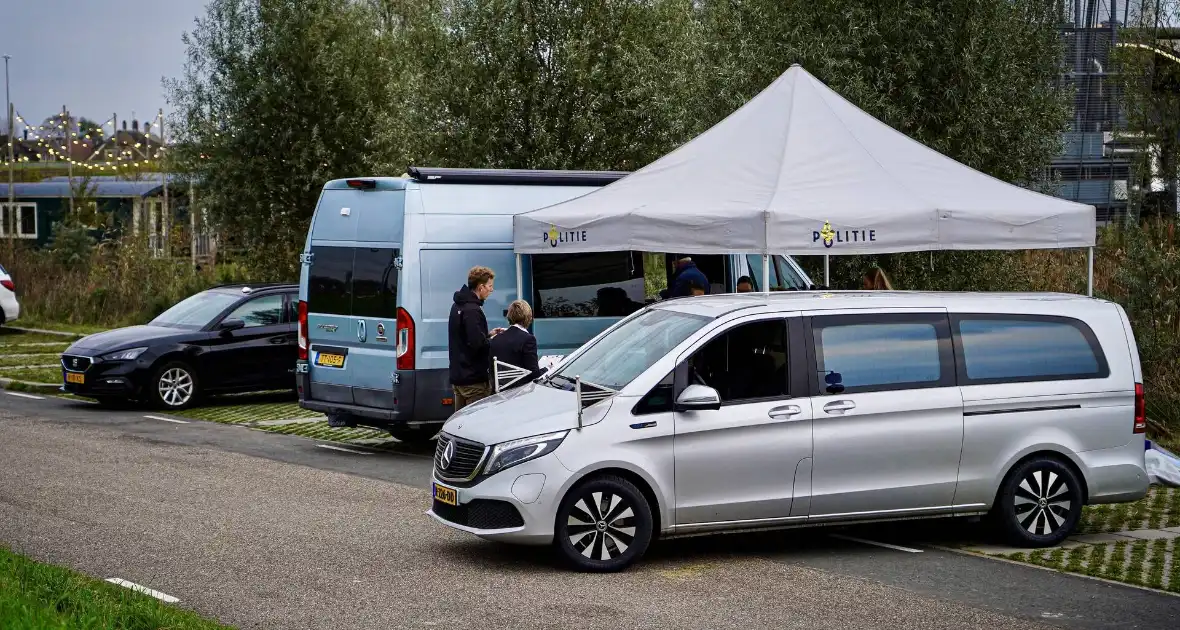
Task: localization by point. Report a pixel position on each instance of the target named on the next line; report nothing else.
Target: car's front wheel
(174, 386)
(603, 525)
(1040, 503)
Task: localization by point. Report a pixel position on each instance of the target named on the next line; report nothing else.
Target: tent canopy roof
(800, 170)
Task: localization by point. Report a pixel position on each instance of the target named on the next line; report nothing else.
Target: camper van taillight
(363, 184)
(302, 330)
(405, 340)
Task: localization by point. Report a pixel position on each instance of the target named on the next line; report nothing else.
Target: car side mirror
(834, 382)
(698, 398)
(231, 325)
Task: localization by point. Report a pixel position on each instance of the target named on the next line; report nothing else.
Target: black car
(227, 339)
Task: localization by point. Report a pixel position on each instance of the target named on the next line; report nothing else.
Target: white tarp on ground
(800, 170)
(1163, 467)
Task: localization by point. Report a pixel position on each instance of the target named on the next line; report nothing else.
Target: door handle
(840, 406)
(360, 330)
(784, 412)
(278, 340)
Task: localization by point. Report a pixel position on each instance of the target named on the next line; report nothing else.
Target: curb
(40, 331)
(8, 383)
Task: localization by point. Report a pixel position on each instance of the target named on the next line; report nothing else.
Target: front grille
(480, 514)
(465, 458)
(75, 363)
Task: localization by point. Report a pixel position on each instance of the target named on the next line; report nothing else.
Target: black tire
(1039, 504)
(584, 535)
(174, 375)
(414, 435)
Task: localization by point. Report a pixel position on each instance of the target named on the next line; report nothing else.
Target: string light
(94, 137)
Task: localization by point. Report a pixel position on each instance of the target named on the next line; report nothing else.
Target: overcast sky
(96, 57)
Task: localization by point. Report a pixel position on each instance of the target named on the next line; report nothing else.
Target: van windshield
(631, 348)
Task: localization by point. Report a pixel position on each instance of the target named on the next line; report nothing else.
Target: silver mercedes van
(775, 410)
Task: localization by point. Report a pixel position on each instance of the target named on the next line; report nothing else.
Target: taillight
(302, 330)
(362, 184)
(405, 340)
(1140, 409)
(7, 284)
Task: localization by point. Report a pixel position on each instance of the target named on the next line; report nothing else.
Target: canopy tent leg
(1090, 273)
(827, 271)
(766, 273)
(519, 278)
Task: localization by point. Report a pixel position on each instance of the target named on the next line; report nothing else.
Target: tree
(277, 97)
(90, 130)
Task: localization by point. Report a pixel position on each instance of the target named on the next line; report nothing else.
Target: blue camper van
(384, 256)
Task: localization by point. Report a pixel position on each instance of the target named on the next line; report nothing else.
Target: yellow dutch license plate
(446, 495)
(329, 360)
(75, 378)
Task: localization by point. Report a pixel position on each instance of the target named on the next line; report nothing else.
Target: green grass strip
(1174, 575)
(1157, 499)
(1172, 518)
(1136, 514)
(1094, 518)
(55, 349)
(21, 359)
(35, 596)
(1134, 573)
(1155, 570)
(38, 375)
(1077, 556)
(1116, 562)
(1094, 562)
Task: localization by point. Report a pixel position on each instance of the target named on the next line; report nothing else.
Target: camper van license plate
(446, 495)
(325, 359)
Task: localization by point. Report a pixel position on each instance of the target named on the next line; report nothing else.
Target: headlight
(509, 454)
(125, 355)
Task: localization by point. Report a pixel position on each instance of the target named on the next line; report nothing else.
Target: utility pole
(65, 135)
(11, 141)
(163, 173)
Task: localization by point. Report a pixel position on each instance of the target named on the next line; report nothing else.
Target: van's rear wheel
(1040, 503)
(414, 435)
(603, 525)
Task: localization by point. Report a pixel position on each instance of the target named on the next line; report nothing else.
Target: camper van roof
(427, 175)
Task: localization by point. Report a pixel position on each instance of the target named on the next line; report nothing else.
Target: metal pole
(164, 173)
(11, 141)
(766, 273)
(65, 134)
(1090, 273)
(827, 271)
(519, 278)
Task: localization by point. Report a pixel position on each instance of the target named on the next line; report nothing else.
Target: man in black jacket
(467, 338)
(516, 345)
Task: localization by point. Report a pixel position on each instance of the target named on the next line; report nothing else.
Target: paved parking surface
(272, 531)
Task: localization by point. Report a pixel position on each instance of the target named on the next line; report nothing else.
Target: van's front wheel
(603, 525)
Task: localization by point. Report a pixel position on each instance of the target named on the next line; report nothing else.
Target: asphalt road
(269, 531)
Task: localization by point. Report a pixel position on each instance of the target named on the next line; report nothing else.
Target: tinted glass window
(608, 284)
(263, 311)
(659, 399)
(374, 283)
(329, 283)
(1019, 349)
(746, 362)
(292, 307)
(755, 263)
(196, 311)
(877, 355)
(631, 348)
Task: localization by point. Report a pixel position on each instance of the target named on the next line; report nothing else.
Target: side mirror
(231, 325)
(834, 382)
(698, 398)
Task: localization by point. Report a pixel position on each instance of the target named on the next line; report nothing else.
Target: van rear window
(358, 282)
(998, 349)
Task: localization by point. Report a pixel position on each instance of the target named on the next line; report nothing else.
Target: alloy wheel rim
(601, 526)
(176, 387)
(1043, 502)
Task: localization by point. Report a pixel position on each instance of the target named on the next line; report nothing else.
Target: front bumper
(532, 490)
(119, 379)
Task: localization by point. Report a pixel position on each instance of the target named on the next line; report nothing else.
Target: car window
(329, 282)
(659, 399)
(195, 311)
(292, 308)
(631, 348)
(262, 311)
(746, 362)
(755, 263)
(1022, 349)
(874, 356)
(603, 284)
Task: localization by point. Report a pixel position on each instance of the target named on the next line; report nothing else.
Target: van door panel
(444, 271)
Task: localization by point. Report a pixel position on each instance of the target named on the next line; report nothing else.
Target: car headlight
(507, 454)
(124, 355)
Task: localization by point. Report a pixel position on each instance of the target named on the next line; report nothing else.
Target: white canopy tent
(800, 170)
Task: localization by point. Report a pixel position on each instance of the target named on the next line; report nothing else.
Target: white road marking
(167, 419)
(164, 597)
(29, 396)
(875, 543)
(341, 448)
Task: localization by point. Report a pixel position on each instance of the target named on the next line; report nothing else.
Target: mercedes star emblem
(444, 462)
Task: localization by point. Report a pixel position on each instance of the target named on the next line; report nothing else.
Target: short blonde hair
(479, 276)
(519, 312)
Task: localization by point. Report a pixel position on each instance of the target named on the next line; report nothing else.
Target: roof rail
(253, 285)
(428, 175)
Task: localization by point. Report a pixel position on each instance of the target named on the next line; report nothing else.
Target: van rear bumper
(419, 395)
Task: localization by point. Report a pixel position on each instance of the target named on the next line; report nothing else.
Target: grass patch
(36, 596)
(21, 359)
(1159, 509)
(77, 329)
(243, 409)
(37, 375)
(10, 337)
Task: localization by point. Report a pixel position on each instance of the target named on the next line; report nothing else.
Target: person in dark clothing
(516, 345)
(687, 274)
(467, 338)
(745, 285)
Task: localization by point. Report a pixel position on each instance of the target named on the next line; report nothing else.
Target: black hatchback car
(228, 339)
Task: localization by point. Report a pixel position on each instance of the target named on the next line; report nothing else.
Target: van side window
(1019, 348)
(747, 362)
(374, 282)
(659, 399)
(329, 284)
(607, 284)
(865, 353)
